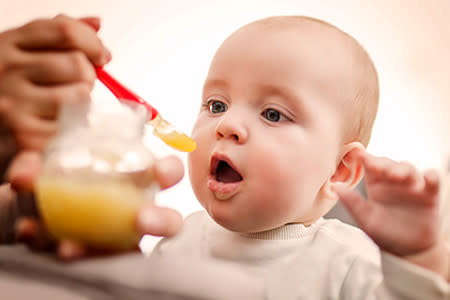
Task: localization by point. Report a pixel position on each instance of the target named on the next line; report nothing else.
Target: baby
(287, 111)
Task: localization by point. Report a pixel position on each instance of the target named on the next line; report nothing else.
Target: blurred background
(162, 49)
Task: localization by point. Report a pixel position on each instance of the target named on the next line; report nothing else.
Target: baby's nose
(233, 128)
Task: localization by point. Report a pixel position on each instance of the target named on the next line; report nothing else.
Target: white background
(161, 49)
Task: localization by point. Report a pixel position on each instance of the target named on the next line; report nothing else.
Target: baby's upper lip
(216, 158)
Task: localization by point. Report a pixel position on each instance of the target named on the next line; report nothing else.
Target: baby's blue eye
(216, 106)
(272, 115)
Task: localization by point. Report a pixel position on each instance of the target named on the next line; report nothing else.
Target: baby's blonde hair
(363, 104)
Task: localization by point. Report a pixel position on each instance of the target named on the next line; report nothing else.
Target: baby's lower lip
(223, 190)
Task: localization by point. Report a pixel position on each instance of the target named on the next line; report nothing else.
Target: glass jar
(96, 174)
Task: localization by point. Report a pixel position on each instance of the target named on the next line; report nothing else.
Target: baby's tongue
(226, 174)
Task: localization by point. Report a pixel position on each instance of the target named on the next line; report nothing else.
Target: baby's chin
(239, 226)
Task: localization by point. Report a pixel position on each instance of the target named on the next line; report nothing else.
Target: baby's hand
(401, 213)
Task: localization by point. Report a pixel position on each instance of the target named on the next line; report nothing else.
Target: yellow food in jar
(98, 214)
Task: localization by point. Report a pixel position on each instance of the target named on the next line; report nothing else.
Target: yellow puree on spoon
(172, 137)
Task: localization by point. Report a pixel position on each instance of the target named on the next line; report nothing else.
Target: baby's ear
(349, 171)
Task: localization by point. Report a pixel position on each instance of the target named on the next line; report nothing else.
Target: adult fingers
(36, 142)
(33, 119)
(69, 250)
(62, 32)
(63, 93)
(168, 171)
(93, 22)
(52, 67)
(431, 181)
(31, 232)
(35, 104)
(24, 169)
(159, 221)
(162, 221)
(26, 229)
(19, 93)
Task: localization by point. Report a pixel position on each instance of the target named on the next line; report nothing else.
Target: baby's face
(269, 132)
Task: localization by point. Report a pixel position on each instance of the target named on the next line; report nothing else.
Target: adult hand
(151, 219)
(43, 64)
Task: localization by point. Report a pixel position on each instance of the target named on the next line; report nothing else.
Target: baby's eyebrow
(286, 93)
(275, 90)
(219, 83)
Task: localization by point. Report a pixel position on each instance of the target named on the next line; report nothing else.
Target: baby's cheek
(272, 203)
(286, 194)
(198, 171)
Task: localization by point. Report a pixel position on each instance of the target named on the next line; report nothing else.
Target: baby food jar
(96, 175)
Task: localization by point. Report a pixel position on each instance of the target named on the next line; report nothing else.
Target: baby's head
(286, 102)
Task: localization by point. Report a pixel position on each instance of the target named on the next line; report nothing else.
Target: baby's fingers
(402, 172)
(383, 169)
(375, 168)
(356, 205)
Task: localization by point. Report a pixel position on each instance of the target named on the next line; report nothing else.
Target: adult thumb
(24, 169)
(93, 22)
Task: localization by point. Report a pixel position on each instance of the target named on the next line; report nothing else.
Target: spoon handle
(121, 92)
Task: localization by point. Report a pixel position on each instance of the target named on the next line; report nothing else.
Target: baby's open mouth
(224, 172)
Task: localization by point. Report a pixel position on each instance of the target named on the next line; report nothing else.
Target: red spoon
(161, 128)
(121, 92)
